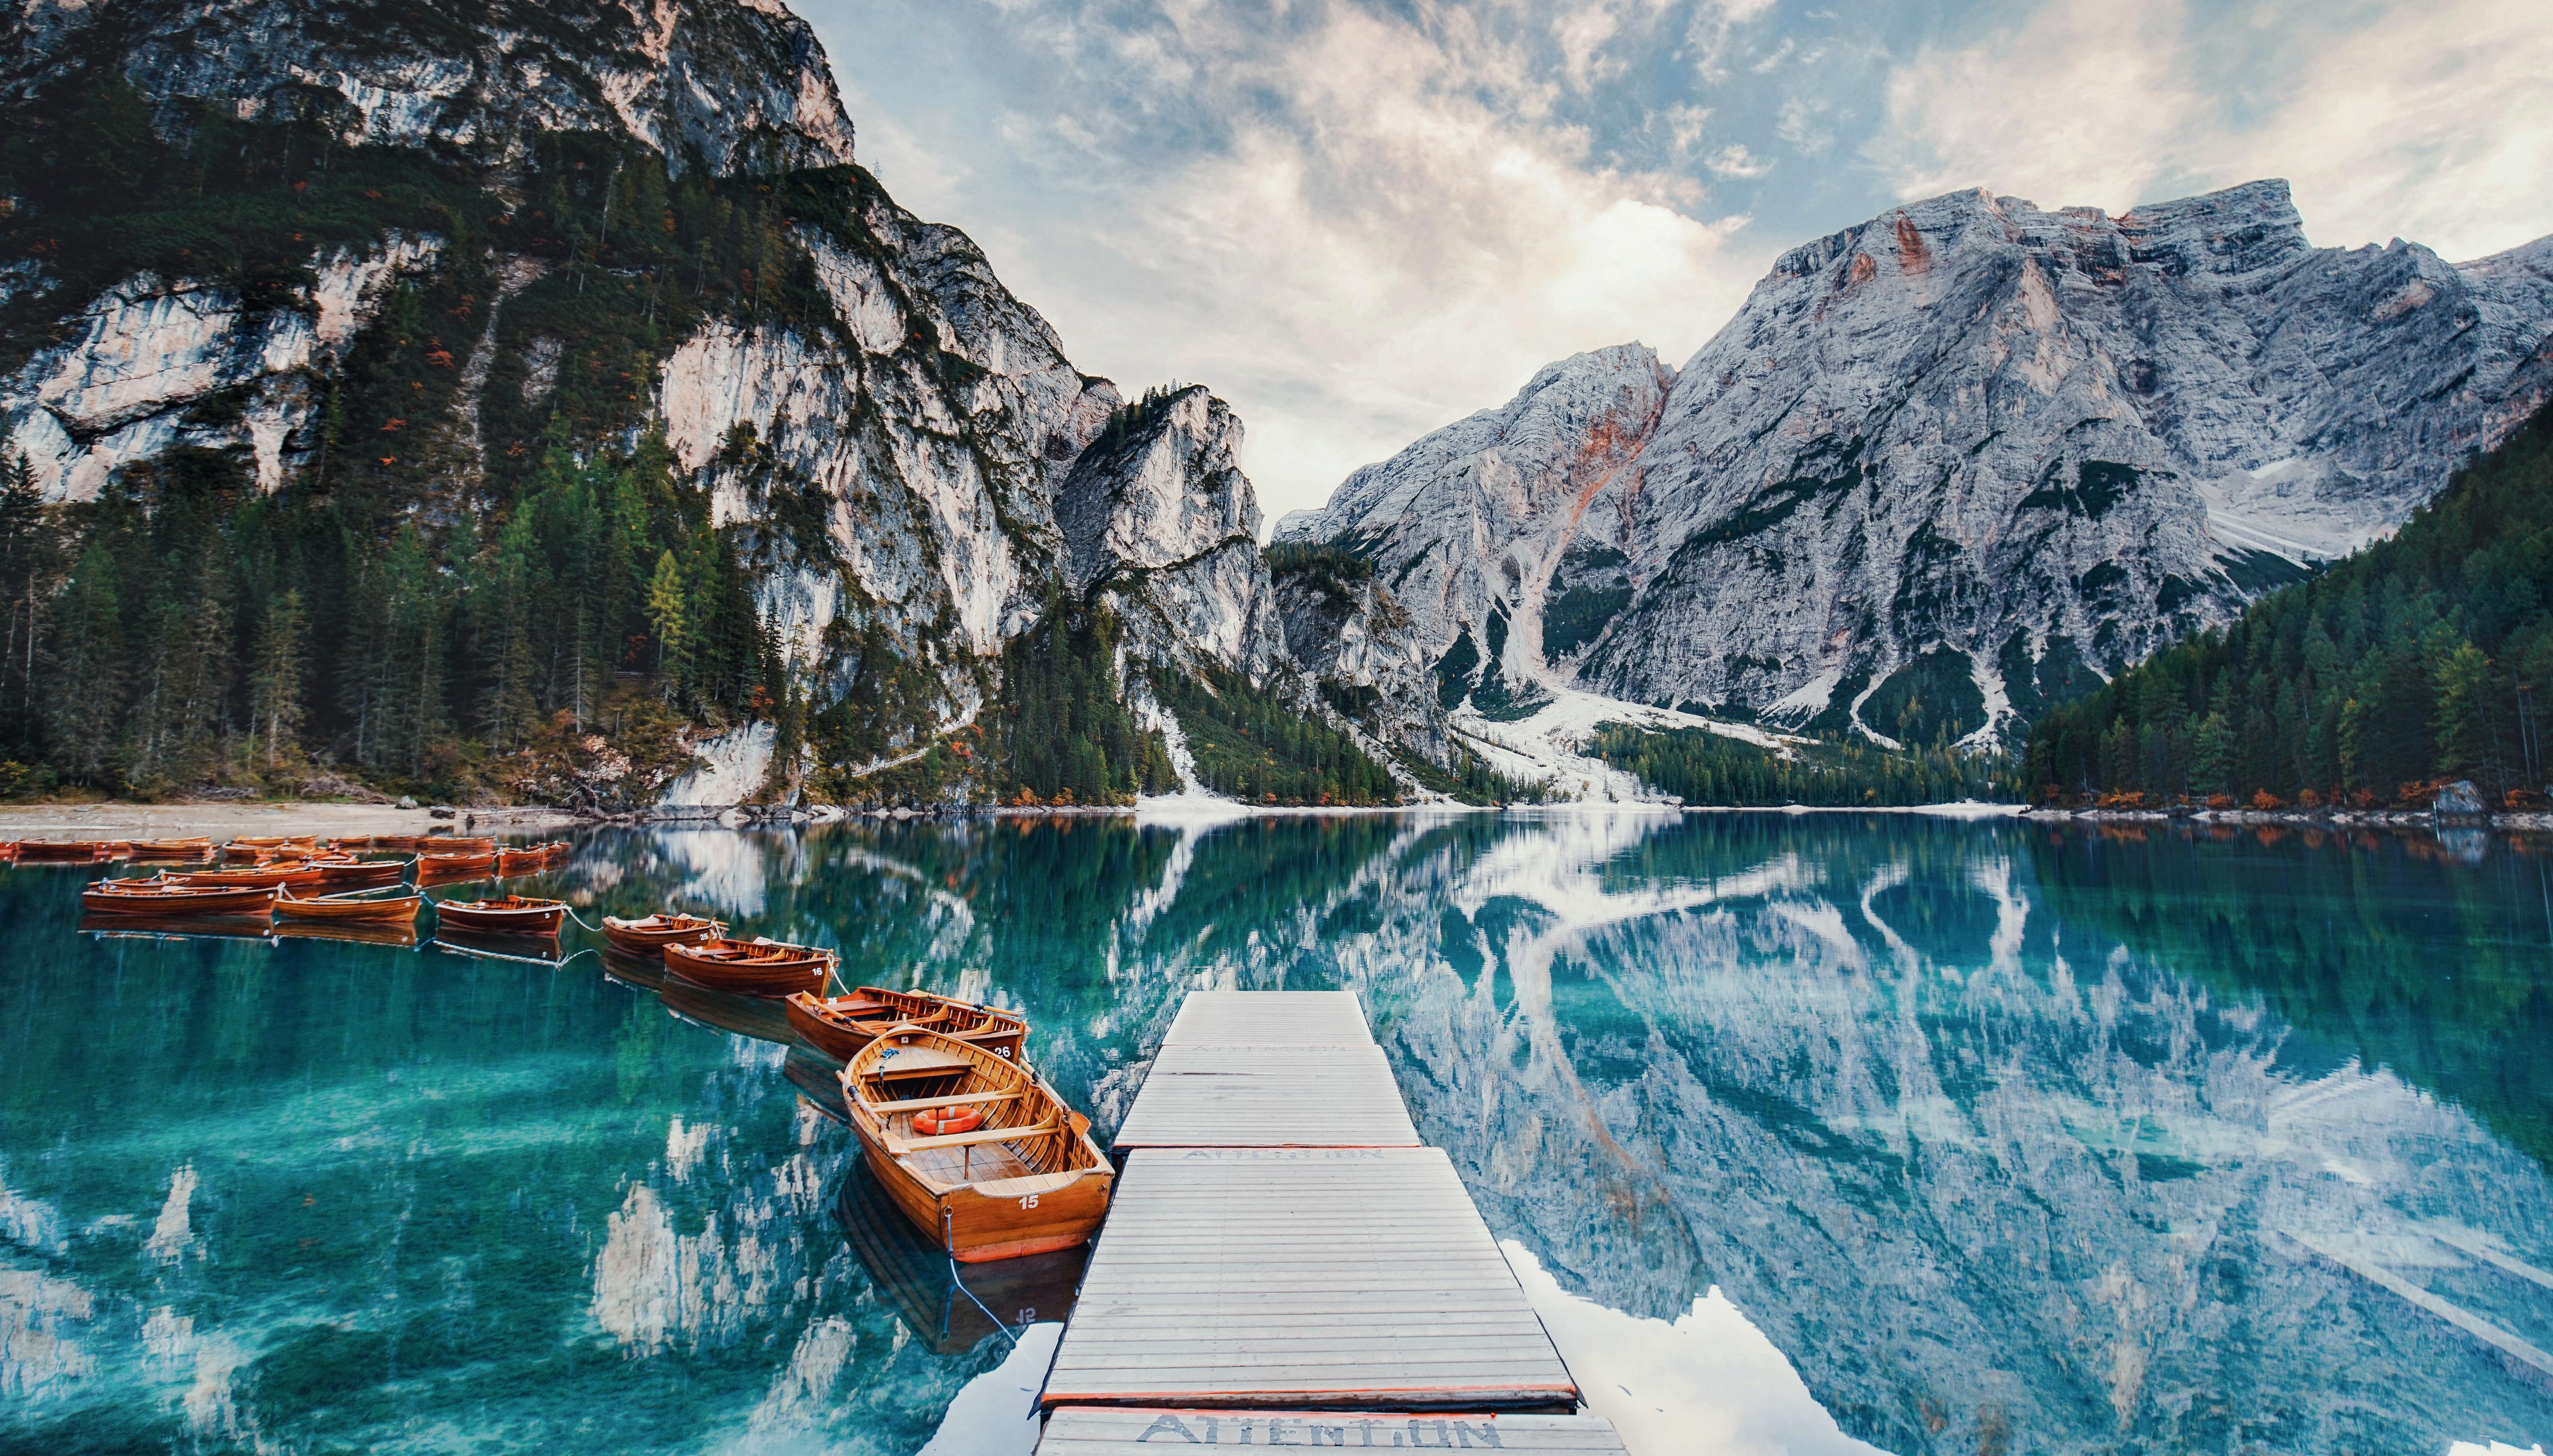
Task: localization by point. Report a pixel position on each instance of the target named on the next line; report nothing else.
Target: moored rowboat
(525, 859)
(281, 872)
(161, 897)
(512, 915)
(649, 935)
(362, 873)
(840, 1026)
(465, 863)
(749, 967)
(1024, 1176)
(376, 910)
(259, 848)
(65, 852)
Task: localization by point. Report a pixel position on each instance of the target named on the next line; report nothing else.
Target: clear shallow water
(1807, 1134)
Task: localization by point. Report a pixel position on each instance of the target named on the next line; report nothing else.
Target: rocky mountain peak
(723, 86)
(1160, 486)
(1954, 460)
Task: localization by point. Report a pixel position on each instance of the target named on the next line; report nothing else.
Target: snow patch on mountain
(1548, 746)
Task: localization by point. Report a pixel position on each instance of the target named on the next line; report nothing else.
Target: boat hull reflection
(177, 927)
(490, 945)
(401, 936)
(747, 1016)
(916, 1277)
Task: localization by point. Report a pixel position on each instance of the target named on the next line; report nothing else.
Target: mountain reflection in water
(1808, 1133)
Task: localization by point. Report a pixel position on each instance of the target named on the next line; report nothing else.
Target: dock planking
(1281, 1249)
(1302, 1276)
(1289, 1097)
(1084, 1432)
(1269, 1019)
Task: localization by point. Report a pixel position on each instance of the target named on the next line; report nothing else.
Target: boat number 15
(1030, 1201)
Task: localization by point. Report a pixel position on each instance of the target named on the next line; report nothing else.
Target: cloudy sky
(1359, 220)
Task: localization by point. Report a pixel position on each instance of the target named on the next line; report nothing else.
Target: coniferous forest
(500, 586)
(1700, 766)
(390, 613)
(2418, 662)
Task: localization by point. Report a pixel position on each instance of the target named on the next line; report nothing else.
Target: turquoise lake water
(1811, 1133)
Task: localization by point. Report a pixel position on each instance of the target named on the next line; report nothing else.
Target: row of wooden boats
(961, 1135)
(296, 879)
(965, 1139)
(433, 856)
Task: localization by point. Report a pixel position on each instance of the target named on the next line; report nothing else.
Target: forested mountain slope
(513, 399)
(2423, 658)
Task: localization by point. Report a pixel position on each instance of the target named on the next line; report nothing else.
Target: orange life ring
(941, 1121)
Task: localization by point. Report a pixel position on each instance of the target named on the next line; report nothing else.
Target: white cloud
(1403, 238)
(1734, 160)
(2430, 121)
(2080, 106)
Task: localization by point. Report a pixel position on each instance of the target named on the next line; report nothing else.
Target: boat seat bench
(917, 1105)
(979, 1135)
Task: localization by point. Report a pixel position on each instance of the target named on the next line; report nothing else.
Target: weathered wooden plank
(1270, 1018)
(1128, 1431)
(1200, 1095)
(1274, 1277)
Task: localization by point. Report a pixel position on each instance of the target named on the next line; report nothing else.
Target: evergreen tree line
(1251, 744)
(183, 630)
(1702, 767)
(2417, 661)
(1062, 733)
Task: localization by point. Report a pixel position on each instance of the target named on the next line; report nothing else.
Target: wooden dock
(1282, 1255)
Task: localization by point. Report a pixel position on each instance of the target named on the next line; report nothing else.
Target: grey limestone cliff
(1977, 447)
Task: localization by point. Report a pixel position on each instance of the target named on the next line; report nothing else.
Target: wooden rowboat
(62, 851)
(362, 873)
(470, 862)
(457, 844)
(372, 909)
(1028, 1180)
(258, 850)
(161, 897)
(511, 915)
(749, 967)
(840, 1026)
(526, 858)
(282, 873)
(648, 936)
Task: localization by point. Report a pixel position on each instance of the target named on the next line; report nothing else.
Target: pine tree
(277, 667)
(28, 548)
(85, 666)
(666, 612)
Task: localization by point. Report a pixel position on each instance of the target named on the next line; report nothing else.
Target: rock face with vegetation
(2414, 674)
(518, 400)
(1952, 465)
